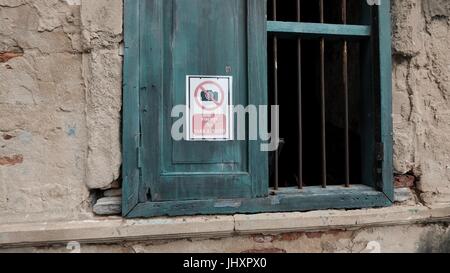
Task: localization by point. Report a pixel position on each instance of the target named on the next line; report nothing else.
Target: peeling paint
(275, 200)
(228, 204)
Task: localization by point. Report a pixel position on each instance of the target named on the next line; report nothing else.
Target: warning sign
(210, 104)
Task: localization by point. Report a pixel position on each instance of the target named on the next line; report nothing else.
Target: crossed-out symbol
(216, 104)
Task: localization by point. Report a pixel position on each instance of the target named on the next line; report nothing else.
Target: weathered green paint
(385, 57)
(165, 40)
(131, 117)
(317, 29)
(292, 200)
(172, 39)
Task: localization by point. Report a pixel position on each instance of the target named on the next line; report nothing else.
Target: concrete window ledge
(112, 230)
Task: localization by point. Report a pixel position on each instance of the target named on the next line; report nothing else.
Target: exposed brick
(261, 239)
(290, 236)
(404, 181)
(264, 250)
(298, 235)
(314, 235)
(6, 56)
(294, 236)
(11, 160)
(7, 137)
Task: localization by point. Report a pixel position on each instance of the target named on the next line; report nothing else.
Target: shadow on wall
(436, 241)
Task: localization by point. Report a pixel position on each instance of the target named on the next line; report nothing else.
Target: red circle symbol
(215, 103)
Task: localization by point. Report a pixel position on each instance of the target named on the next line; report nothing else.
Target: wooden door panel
(198, 37)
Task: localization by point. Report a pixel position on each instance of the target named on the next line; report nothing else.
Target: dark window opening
(310, 156)
(310, 11)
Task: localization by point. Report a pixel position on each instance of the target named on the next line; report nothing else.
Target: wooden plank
(385, 56)
(131, 127)
(151, 86)
(312, 198)
(173, 46)
(258, 90)
(318, 30)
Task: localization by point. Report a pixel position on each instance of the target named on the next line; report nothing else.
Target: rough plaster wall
(42, 110)
(102, 37)
(395, 239)
(421, 86)
(60, 102)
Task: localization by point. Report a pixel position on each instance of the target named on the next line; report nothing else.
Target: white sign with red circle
(209, 100)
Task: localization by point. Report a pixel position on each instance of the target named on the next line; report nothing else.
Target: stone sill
(115, 229)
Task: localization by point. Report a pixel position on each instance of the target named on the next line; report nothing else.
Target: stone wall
(421, 89)
(60, 103)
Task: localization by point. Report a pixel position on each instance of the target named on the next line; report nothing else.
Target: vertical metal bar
(300, 100)
(346, 97)
(323, 103)
(275, 63)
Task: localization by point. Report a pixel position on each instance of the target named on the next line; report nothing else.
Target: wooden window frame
(286, 200)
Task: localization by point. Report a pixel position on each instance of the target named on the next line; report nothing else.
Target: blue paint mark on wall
(72, 131)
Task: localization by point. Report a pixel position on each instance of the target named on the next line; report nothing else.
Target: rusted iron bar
(346, 97)
(300, 103)
(323, 102)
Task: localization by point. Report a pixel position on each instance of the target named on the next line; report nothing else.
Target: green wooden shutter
(165, 40)
(177, 38)
(131, 115)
